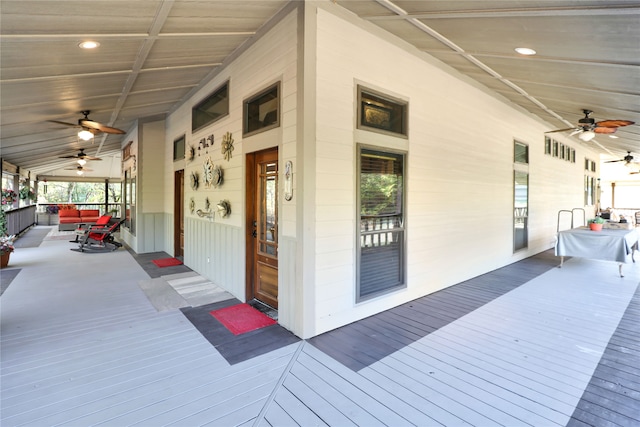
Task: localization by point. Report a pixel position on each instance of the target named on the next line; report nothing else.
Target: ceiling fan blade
(614, 161)
(605, 130)
(100, 127)
(614, 123)
(74, 125)
(561, 130)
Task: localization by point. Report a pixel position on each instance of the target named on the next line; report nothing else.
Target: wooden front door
(178, 214)
(262, 226)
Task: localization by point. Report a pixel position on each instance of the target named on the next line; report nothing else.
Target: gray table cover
(607, 244)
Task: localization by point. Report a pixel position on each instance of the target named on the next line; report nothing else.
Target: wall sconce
(288, 180)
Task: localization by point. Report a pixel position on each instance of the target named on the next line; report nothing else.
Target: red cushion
(69, 213)
(95, 213)
(103, 220)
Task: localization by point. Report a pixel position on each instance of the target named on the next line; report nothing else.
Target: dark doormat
(236, 348)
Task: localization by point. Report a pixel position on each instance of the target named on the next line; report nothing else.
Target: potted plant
(27, 193)
(8, 197)
(6, 247)
(595, 224)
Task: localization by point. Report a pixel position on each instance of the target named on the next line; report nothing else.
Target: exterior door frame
(251, 206)
(178, 213)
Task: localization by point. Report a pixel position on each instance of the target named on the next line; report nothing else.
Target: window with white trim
(381, 235)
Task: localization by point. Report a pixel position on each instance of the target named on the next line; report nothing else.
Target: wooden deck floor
(529, 344)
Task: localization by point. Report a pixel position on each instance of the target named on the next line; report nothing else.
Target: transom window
(381, 113)
(178, 148)
(262, 111)
(211, 109)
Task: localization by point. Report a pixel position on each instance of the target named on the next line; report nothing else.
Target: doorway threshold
(264, 308)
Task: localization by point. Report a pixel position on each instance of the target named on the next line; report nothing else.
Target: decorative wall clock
(194, 180)
(217, 176)
(208, 172)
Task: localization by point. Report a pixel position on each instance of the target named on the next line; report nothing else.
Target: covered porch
(527, 344)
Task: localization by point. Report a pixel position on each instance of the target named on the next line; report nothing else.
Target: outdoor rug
(236, 348)
(242, 318)
(166, 262)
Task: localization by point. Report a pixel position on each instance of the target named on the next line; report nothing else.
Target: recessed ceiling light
(614, 136)
(89, 45)
(525, 51)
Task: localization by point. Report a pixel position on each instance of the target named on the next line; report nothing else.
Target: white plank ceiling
(154, 53)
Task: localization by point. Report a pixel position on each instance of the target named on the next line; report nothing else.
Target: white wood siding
(216, 251)
(215, 247)
(459, 171)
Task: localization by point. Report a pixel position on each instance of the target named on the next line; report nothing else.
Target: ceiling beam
(614, 10)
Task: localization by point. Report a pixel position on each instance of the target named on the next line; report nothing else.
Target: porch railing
(379, 230)
(19, 219)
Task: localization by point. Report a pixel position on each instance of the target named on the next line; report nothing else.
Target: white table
(607, 244)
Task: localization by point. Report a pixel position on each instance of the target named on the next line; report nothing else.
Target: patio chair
(100, 238)
(81, 230)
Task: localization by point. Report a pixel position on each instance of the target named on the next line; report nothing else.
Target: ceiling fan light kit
(588, 128)
(587, 136)
(85, 135)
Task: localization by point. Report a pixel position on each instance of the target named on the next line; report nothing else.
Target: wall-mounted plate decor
(224, 208)
(227, 146)
(218, 176)
(208, 172)
(191, 153)
(194, 180)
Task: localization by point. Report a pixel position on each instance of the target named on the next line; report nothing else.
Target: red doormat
(242, 318)
(166, 262)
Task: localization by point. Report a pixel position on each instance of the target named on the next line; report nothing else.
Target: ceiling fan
(90, 126)
(81, 156)
(627, 159)
(588, 127)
